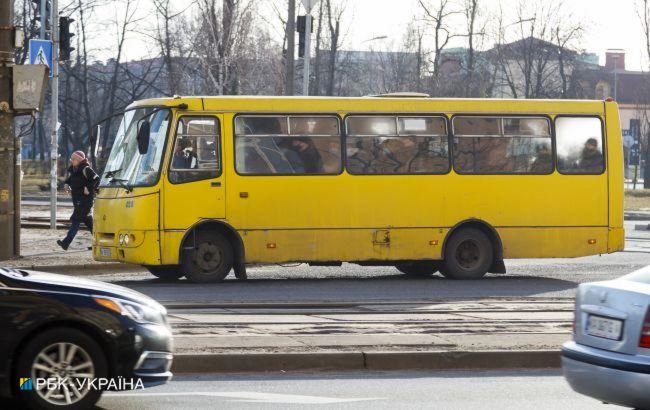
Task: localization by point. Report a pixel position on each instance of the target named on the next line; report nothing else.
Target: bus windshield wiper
(122, 182)
(112, 173)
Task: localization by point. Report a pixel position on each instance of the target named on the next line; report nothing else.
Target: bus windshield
(125, 165)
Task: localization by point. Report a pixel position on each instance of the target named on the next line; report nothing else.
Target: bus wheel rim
(208, 257)
(468, 254)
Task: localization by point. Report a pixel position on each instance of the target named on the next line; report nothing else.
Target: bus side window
(397, 145)
(502, 145)
(579, 143)
(196, 150)
(267, 145)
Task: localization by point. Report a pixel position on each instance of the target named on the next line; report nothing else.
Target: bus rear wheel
(418, 268)
(468, 255)
(166, 272)
(209, 259)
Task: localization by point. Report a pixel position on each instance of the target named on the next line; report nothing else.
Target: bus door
(195, 184)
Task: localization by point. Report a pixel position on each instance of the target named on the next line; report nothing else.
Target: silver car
(609, 358)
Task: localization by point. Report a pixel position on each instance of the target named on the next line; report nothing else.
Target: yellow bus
(200, 186)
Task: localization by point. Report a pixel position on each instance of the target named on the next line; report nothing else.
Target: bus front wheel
(418, 268)
(468, 255)
(209, 260)
(166, 272)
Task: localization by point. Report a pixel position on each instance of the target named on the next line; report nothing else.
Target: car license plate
(604, 327)
(105, 252)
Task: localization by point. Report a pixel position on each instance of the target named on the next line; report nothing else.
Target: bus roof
(289, 104)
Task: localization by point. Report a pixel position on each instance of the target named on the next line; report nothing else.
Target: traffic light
(38, 18)
(301, 27)
(64, 38)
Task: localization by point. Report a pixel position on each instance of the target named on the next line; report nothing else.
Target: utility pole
(8, 247)
(44, 19)
(54, 144)
(309, 5)
(305, 79)
(291, 47)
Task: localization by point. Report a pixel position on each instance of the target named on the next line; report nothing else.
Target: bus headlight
(121, 239)
(127, 239)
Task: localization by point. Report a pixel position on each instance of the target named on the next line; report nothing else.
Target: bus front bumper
(141, 247)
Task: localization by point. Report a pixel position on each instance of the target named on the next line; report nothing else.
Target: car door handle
(215, 184)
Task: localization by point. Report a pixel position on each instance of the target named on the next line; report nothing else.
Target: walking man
(82, 181)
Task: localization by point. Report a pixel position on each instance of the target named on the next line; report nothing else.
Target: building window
(300, 145)
(397, 145)
(579, 143)
(502, 145)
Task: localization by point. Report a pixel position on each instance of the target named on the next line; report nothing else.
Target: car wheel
(209, 260)
(167, 272)
(468, 255)
(58, 354)
(418, 268)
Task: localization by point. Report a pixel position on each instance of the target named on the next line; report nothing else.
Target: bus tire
(209, 260)
(168, 273)
(418, 268)
(468, 255)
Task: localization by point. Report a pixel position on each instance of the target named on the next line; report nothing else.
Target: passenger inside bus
(184, 156)
(265, 147)
(301, 152)
(591, 159)
(543, 162)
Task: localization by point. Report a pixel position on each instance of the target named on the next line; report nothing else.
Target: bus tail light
(645, 331)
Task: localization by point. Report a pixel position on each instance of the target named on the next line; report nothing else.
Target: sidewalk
(39, 251)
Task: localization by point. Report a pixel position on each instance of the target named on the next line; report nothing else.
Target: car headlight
(138, 312)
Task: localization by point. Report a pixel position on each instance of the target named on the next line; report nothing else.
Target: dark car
(64, 340)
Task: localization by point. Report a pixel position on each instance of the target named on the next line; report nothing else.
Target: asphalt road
(352, 283)
(431, 390)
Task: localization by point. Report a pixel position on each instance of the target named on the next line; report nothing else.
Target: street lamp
(382, 37)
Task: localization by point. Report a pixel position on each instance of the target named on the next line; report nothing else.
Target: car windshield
(125, 165)
(642, 275)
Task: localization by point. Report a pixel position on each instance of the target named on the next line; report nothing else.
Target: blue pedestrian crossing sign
(40, 52)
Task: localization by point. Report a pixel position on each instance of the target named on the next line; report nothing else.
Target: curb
(636, 216)
(376, 361)
(91, 268)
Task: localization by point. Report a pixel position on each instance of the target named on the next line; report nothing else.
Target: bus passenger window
(397, 145)
(579, 143)
(298, 145)
(502, 145)
(196, 150)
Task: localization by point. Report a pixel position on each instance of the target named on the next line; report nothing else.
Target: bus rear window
(579, 145)
(287, 145)
(502, 145)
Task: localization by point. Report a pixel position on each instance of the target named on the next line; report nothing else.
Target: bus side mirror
(144, 133)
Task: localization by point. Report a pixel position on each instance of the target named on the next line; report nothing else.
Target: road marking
(253, 397)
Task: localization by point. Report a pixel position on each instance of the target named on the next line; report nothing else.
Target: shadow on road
(384, 287)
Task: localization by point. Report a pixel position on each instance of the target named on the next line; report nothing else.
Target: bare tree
(533, 56)
(165, 38)
(437, 16)
(334, 17)
(470, 11)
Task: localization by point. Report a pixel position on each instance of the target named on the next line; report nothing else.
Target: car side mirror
(144, 134)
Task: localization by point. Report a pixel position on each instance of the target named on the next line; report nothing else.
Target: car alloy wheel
(67, 363)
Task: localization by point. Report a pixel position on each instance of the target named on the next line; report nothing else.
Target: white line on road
(253, 397)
